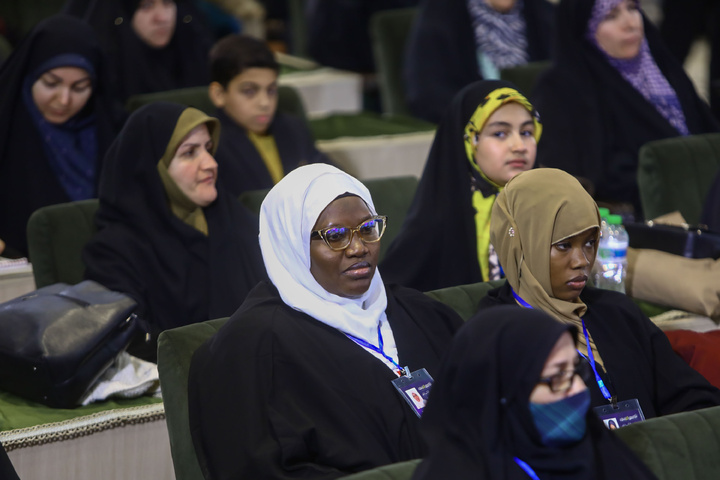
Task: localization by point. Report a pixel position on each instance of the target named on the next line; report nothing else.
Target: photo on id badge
(625, 413)
(415, 389)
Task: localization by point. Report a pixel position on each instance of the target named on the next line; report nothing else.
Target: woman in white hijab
(299, 382)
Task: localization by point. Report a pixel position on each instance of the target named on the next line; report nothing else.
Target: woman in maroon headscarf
(613, 87)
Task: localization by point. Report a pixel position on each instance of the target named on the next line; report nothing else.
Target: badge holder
(414, 388)
(619, 414)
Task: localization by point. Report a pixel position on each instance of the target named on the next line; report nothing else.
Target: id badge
(415, 389)
(626, 412)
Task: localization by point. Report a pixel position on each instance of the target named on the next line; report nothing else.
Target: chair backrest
(289, 100)
(392, 197)
(525, 76)
(676, 174)
(683, 445)
(56, 237)
(177, 346)
(389, 30)
(175, 351)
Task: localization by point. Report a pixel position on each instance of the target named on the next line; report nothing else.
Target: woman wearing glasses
(545, 227)
(511, 402)
(298, 383)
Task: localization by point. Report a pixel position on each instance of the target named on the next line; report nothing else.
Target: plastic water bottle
(604, 212)
(612, 256)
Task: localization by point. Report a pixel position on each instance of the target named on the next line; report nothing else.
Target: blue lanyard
(603, 389)
(520, 300)
(375, 349)
(591, 359)
(531, 473)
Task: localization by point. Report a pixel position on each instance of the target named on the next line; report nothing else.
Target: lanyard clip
(406, 371)
(613, 402)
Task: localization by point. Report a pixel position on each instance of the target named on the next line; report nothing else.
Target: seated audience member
(56, 121)
(457, 42)
(179, 245)
(153, 45)
(259, 144)
(488, 135)
(298, 382)
(613, 87)
(545, 227)
(511, 402)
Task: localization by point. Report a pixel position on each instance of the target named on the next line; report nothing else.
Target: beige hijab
(535, 210)
(181, 206)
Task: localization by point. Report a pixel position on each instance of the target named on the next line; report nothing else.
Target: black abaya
(595, 120)
(478, 419)
(177, 274)
(278, 394)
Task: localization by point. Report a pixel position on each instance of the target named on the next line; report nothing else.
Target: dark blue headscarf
(72, 147)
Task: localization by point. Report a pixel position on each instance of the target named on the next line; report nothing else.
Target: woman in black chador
(511, 402)
(153, 45)
(57, 118)
(169, 237)
(614, 86)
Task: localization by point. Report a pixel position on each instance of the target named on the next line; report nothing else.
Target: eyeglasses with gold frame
(339, 238)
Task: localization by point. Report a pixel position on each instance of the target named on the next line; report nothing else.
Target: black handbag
(688, 241)
(56, 341)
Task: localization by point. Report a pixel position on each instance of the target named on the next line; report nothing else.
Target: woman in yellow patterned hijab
(488, 135)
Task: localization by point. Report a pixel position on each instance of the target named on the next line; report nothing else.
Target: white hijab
(287, 217)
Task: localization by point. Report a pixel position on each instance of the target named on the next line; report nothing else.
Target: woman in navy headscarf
(56, 121)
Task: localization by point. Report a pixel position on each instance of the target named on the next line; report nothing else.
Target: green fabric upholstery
(525, 76)
(465, 299)
(365, 124)
(395, 471)
(392, 197)
(389, 30)
(289, 100)
(56, 236)
(676, 174)
(175, 350)
(681, 446)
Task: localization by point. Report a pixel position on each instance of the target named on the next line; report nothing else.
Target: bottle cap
(604, 212)
(614, 219)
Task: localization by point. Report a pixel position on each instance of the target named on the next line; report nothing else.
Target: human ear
(216, 92)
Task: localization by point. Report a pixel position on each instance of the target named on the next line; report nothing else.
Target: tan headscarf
(180, 204)
(535, 210)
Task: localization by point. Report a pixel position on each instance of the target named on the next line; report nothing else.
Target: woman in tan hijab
(545, 228)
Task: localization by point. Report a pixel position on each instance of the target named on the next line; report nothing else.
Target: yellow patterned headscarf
(483, 205)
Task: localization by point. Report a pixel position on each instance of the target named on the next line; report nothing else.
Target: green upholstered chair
(392, 197)
(56, 237)
(289, 100)
(465, 299)
(676, 174)
(684, 445)
(525, 76)
(389, 30)
(175, 350)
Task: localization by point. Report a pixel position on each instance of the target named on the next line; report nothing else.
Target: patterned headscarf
(483, 204)
(641, 72)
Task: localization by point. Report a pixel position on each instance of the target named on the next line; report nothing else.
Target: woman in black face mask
(510, 402)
